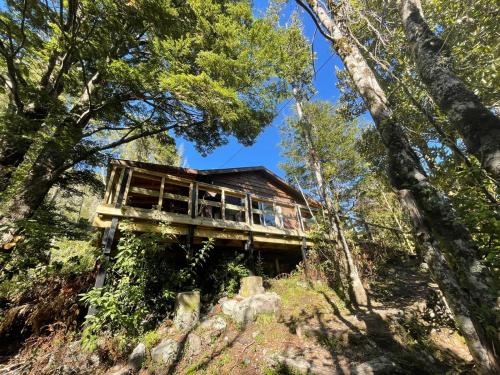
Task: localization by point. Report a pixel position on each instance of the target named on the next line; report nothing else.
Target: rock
(136, 358)
(187, 310)
(165, 352)
(424, 267)
(250, 286)
(302, 284)
(300, 365)
(249, 308)
(215, 325)
(194, 345)
(121, 370)
(380, 365)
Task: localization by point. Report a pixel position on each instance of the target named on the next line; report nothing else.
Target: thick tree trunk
(445, 278)
(479, 127)
(407, 173)
(15, 141)
(43, 164)
(358, 291)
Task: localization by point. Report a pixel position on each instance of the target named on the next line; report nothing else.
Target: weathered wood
(190, 206)
(162, 190)
(223, 204)
(249, 210)
(141, 213)
(194, 200)
(127, 188)
(110, 185)
(299, 217)
(109, 238)
(204, 232)
(119, 186)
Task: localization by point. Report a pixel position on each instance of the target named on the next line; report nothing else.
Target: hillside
(404, 331)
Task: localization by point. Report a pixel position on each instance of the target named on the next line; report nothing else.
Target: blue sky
(265, 151)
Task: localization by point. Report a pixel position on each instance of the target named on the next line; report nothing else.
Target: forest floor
(403, 331)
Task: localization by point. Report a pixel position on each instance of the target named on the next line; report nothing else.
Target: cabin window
(267, 217)
(235, 208)
(307, 218)
(209, 204)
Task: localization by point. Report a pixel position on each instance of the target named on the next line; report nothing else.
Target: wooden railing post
(125, 194)
(223, 204)
(194, 200)
(299, 218)
(249, 209)
(162, 190)
(109, 187)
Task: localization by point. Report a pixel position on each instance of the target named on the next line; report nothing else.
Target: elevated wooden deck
(147, 198)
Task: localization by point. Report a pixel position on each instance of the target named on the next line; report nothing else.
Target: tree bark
(478, 126)
(448, 284)
(358, 291)
(406, 173)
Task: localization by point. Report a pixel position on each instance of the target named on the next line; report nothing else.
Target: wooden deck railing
(156, 196)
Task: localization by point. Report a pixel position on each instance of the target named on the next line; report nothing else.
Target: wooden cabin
(246, 208)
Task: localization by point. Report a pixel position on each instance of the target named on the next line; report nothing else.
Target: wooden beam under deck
(261, 240)
(170, 217)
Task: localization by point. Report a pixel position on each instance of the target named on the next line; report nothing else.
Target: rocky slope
(292, 328)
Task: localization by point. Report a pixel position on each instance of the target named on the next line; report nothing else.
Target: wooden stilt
(277, 265)
(108, 240)
(189, 241)
(303, 249)
(250, 249)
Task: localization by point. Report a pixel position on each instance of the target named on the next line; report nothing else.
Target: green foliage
(225, 275)
(138, 290)
(150, 339)
(47, 246)
(106, 73)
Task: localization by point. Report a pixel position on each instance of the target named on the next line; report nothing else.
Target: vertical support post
(190, 206)
(122, 178)
(110, 185)
(299, 218)
(189, 241)
(277, 264)
(303, 249)
(125, 194)
(194, 200)
(109, 238)
(250, 249)
(223, 204)
(162, 190)
(275, 213)
(249, 209)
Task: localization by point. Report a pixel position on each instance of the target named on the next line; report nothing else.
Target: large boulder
(250, 286)
(247, 309)
(187, 310)
(136, 358)
(165, 353)
(379, 365)
(215, 326)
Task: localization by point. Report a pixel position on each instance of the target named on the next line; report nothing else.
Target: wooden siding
(256, 183)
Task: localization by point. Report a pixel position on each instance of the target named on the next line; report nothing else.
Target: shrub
(139, 291)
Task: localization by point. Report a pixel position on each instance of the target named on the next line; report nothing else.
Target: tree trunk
(407, 173)
(445, 278)
(357, 289)
(479, 127)
(43, 164)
